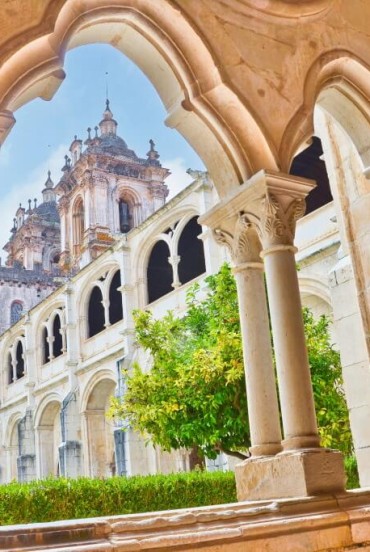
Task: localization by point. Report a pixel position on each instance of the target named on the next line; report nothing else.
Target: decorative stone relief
(243, 244)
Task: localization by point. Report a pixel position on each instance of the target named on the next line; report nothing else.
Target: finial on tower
(152, 154)
(49, 183)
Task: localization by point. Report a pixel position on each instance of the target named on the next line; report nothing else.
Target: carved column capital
(242, 240)
(267, 205)
(275, 219)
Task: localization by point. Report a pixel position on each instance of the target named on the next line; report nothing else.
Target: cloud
(28, 189)
(178, 179)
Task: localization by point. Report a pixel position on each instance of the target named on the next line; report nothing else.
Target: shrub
(57, 499)
(350, 465)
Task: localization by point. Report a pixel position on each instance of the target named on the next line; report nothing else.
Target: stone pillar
(71, 335)
(120, 451)
(263, 410)
(270, 203)
(26, 461)
(70, 450)
(174, 261)
(282, 205)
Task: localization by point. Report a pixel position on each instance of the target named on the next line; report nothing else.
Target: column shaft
(295, 389)
(263, 411)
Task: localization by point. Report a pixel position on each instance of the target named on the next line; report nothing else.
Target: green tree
(194, 394)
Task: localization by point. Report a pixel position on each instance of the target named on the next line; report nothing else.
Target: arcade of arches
(251, 85)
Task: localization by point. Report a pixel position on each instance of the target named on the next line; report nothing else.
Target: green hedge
(56, 499)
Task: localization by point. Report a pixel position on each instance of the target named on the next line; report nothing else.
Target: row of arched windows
(53, 337)
(105, 305)
(188, 261)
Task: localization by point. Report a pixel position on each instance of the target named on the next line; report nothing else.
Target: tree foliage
(194, 394)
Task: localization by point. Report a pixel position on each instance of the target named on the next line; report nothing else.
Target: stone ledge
(316, 524)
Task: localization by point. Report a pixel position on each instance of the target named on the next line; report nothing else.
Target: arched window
(191, 252)
(96, 318)
(115, 299)
(309, 164)
(58, 340)
(19, 368)
(16, 310)
(54, 261)
(78, 222)
(10, 369)
(159, 273)
(125, 217)
(45, 346)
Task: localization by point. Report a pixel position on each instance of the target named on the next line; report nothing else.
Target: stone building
(249, 83)
(33, 256)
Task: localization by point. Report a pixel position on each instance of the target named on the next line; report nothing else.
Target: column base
(291, 474)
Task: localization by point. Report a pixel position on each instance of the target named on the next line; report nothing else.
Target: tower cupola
(48, 194)
(108, 125)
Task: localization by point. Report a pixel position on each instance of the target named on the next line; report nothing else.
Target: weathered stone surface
(290, 474)
(322, 524)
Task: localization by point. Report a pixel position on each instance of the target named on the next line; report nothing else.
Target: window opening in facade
(115, 299)
(45, 346)
(58, 340)
(125, 217)
(96, 318)
(16, 310)
(191, 252)
(10, 369)
(159, 273)
(19, 361)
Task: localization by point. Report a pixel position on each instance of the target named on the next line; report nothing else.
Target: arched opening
(100, 438)
(16, 310)
(310, 164)
(191, 253)
(96, 315)
(159, 272)
(49, 439)
(125, 216)
(10, 369)
(57, 334)
(78, 224)
(19, 370)
(54, 262)
(115, 299)
(45, 346)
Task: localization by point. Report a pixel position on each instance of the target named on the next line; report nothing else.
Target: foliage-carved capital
(279, 215)
(243, 243)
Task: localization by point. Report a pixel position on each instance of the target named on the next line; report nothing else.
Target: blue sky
(44, 130)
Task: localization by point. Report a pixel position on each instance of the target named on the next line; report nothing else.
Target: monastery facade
(251, 84)
(107, 243)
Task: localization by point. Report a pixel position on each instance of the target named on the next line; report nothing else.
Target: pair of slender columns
(257, 223)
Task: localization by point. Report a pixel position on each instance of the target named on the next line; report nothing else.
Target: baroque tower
(105, 190)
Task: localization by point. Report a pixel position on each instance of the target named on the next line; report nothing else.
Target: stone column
(174, 261)
(271, 203)
(280, 209)
(242, 241)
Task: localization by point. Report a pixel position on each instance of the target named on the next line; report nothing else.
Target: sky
(45, 129)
